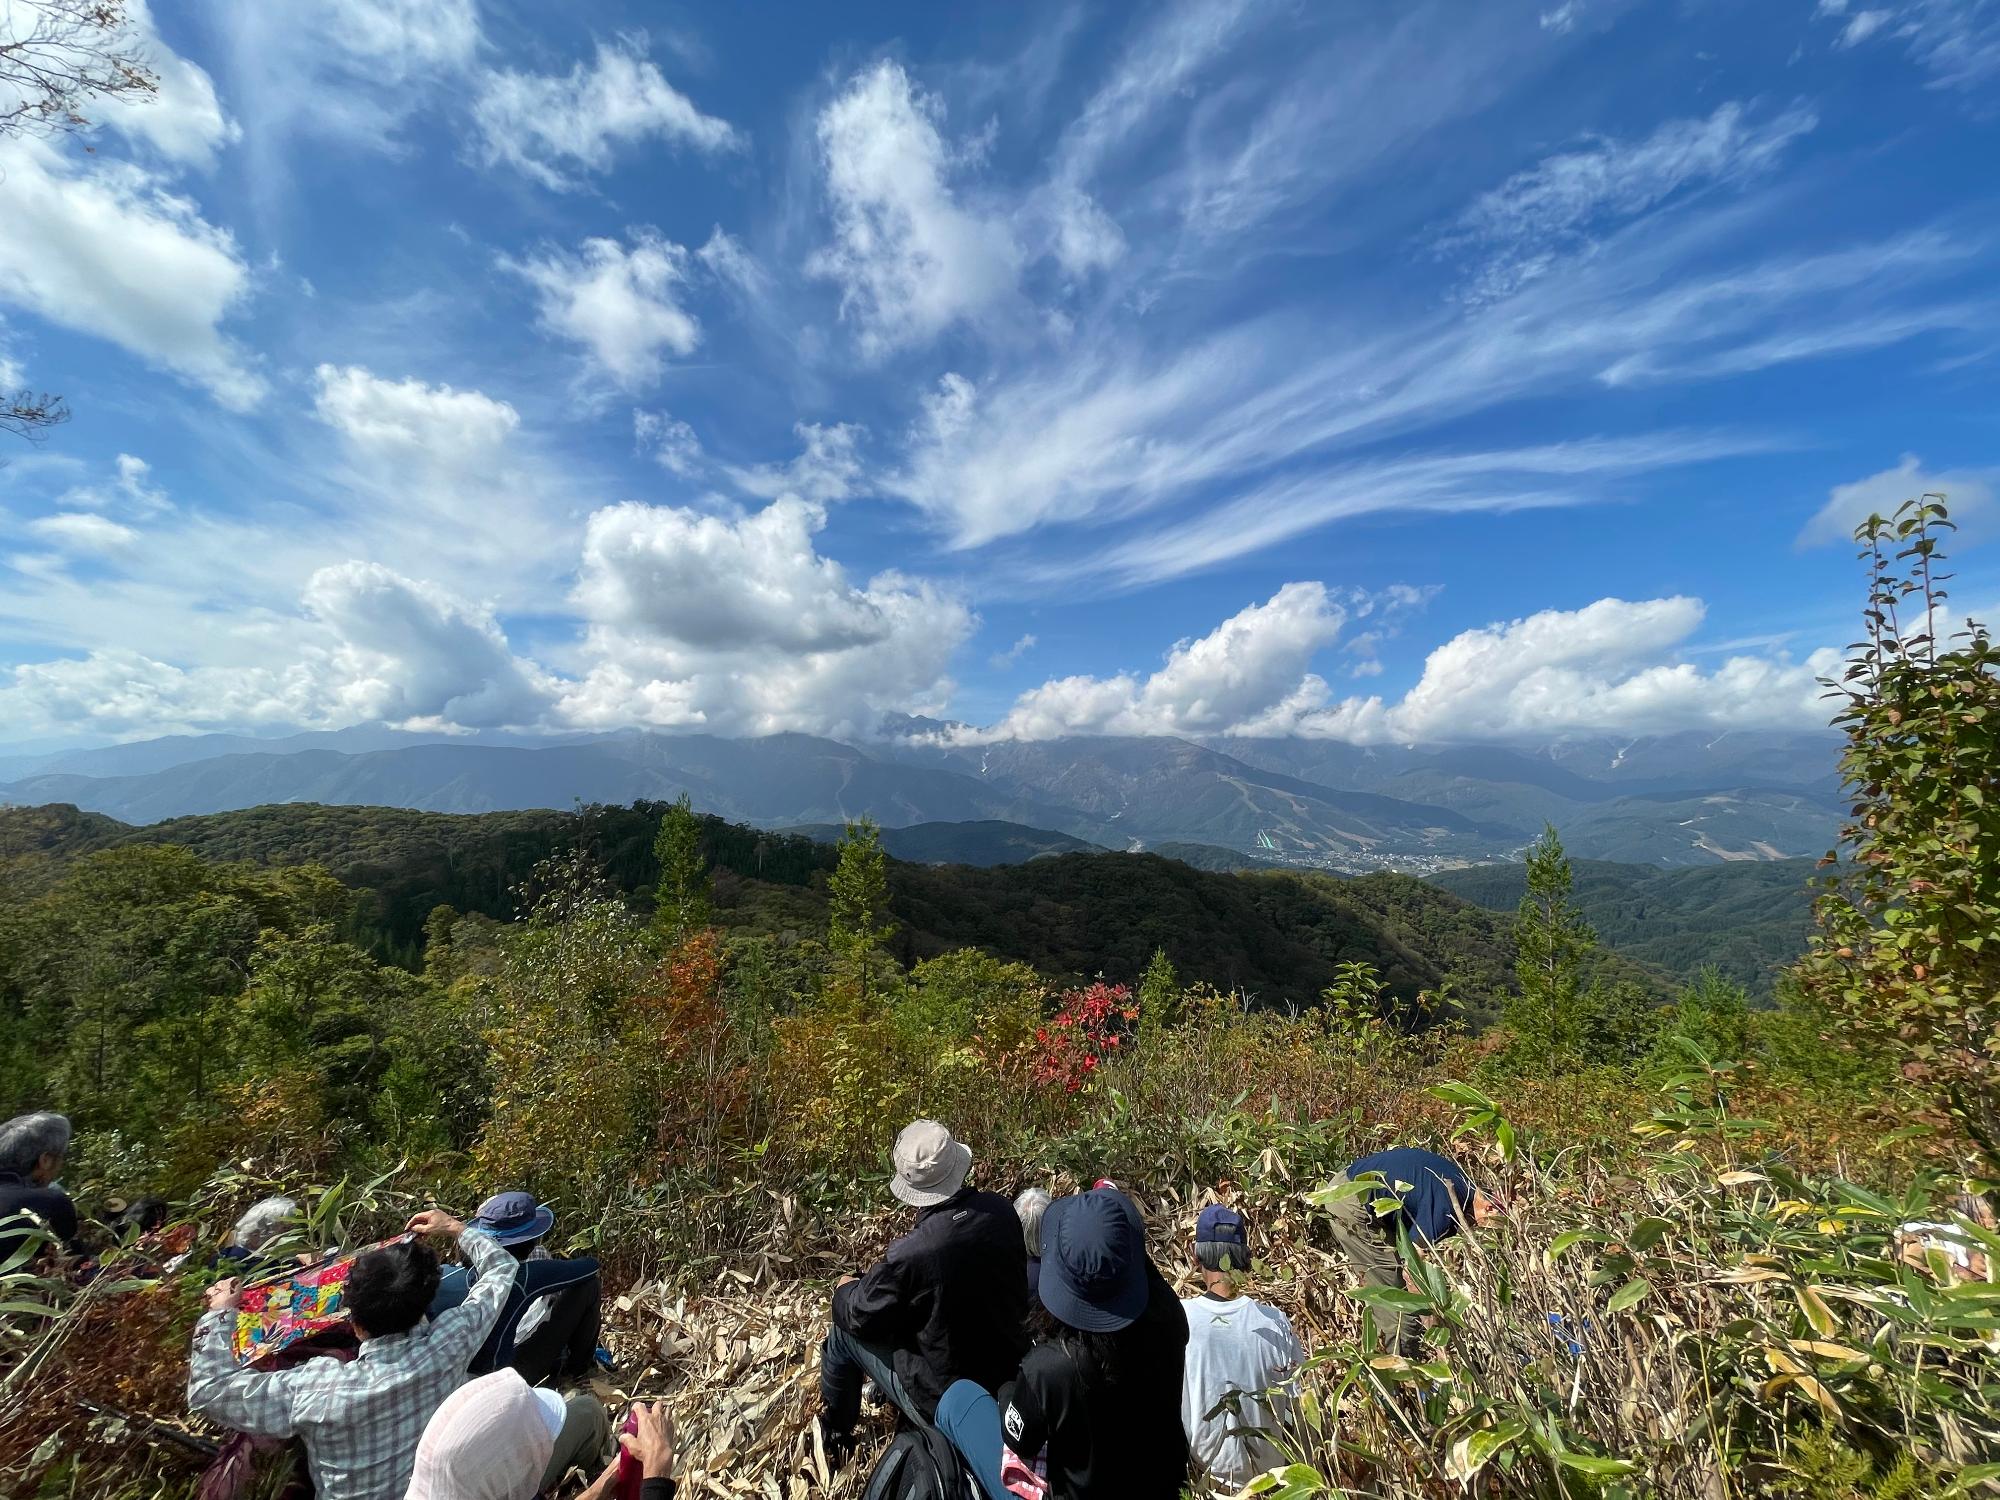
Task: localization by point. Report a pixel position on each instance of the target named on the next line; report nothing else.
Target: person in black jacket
(947, 1302)
(1098, 1398)
(32, 1151)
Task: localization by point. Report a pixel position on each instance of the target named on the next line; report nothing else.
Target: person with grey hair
(261, 1223)
(1028, 1208)
(1241, 1354)
(32, 1150)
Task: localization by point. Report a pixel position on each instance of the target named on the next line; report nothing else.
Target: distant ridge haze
(1676, 799)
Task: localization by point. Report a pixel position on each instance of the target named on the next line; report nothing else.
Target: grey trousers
(1370, 1246)
(585, 1435)
(843, 1362)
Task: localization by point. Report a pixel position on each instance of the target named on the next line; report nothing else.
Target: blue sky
(1380, 371)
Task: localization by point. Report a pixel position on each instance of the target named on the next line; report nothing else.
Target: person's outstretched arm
(251, 1401)
(653, 1446)
(459, 1332)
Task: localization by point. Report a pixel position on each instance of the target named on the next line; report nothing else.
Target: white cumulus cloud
(1610, 666)
(410, 652)
(183, 121)
(1613, 666)
(371, 645)
(109, 249)
(554, 126)
(121, 691)
(619, 303)
(910, 257)
(741, 626)
(1247, 675)
(407, 420)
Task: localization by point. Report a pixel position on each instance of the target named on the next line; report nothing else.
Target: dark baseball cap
(1220, 1224)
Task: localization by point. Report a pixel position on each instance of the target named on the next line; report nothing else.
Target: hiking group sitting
(1031, 1347)
(1038, 1348)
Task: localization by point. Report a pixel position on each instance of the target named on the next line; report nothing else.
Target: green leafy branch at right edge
(1907, 957)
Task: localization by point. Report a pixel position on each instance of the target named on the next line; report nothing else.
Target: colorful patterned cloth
(278, 1311)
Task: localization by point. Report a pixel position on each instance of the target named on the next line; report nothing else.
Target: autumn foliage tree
(1908, 949)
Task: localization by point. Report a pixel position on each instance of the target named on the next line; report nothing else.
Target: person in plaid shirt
(360, 1420)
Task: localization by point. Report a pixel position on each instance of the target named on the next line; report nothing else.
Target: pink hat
(490, 1440)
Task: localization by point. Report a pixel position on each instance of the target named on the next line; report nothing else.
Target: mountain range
(1657, 800)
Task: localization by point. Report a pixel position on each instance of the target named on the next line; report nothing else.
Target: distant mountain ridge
(985, 842)
(1667, 800)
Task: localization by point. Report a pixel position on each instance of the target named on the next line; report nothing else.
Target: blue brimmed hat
(1094, 1261)
(512, 1218)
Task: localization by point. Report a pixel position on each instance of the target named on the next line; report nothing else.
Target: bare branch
(28, 415)
(57, 56)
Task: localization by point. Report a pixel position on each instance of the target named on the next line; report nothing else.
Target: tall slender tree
(682, 896)
(858, 924)
(1907, 956)
(1159, 995)
(1552, 946)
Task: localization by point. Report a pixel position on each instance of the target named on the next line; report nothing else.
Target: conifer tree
(1553, 944)
(682, 896)
(857, 919)
(1159, 995)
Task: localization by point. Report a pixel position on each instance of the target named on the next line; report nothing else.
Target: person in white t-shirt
(1241, 1357)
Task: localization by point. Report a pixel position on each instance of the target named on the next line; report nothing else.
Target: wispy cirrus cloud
(1956, 41)
(557, 128)
(1254, 431)
(1519, 230)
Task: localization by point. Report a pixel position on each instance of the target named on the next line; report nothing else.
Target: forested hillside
(1746, 919)
(1275, 936)
(980, 842)
(1671, 800)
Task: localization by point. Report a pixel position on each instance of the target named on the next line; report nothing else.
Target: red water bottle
(631, 1477)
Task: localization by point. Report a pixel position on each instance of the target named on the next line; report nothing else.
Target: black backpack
(921, 1464)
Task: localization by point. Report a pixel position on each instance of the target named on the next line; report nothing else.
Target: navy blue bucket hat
(1094, 1261)
(514, 1217)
